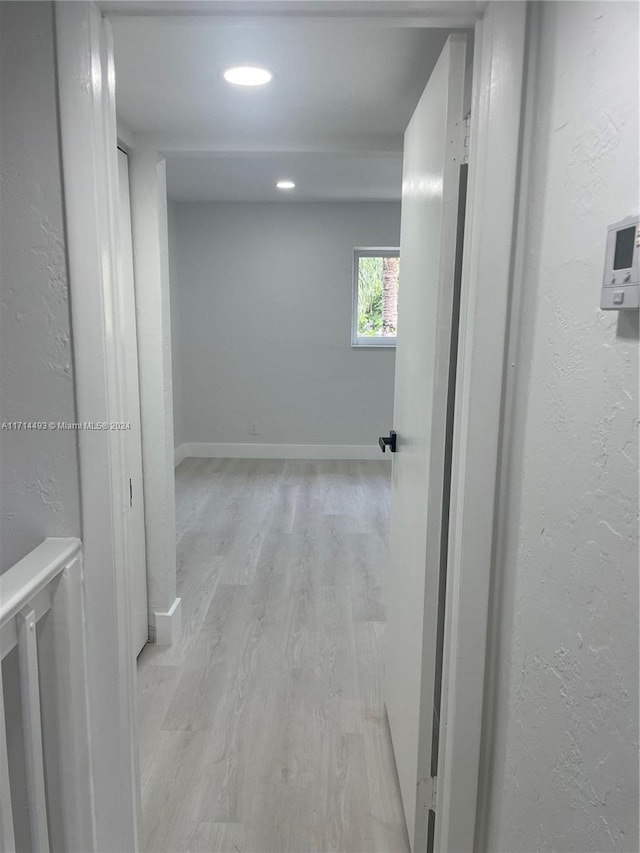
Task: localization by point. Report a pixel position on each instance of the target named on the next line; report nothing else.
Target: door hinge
(434, 792)
(428, 789)
(467, 134)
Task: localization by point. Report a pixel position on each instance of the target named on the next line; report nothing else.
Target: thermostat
(621, 284)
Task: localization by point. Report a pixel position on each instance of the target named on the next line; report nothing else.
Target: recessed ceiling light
(247, 75)
(285, 185)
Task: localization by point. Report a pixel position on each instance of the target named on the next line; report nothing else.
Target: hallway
(264, 730)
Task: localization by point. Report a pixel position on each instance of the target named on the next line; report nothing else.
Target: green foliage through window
(378, 279)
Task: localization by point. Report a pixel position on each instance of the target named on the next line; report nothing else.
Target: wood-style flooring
(264, 729)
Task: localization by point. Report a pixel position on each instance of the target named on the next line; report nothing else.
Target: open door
(430, 196)
(135, 546)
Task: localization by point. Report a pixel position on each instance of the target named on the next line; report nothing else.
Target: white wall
(39, 469)
(39, 494)
(176, 358)
(565, 714)
(264, 297)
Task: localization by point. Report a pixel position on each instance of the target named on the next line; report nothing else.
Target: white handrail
(26, 593)
(21, 583)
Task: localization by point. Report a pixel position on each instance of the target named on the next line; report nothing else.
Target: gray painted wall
(39, 469)
(565, 762)
(264, 295)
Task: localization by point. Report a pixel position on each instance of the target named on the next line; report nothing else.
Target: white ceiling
(332, 119)
(318, 177)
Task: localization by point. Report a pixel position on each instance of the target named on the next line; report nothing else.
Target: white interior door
(431, 175)
(136, 553)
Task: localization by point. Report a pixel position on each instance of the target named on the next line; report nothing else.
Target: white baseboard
(243, 450)
(168, 626)
(180, 453)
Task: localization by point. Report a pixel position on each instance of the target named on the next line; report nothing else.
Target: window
(375, 297)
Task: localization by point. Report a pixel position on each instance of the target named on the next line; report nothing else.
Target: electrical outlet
(253, 427)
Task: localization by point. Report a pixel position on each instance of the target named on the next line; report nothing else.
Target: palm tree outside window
(376, 276)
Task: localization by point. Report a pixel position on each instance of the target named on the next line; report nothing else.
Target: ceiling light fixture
(285, 185)
(247, 75)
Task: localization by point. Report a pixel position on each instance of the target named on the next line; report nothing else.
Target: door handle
(389, 441)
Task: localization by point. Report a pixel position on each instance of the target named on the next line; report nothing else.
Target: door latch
(389, 441)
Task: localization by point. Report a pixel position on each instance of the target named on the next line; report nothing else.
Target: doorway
(496, 30)
(261, 294)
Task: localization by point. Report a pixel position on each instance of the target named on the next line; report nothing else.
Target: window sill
(373, 343)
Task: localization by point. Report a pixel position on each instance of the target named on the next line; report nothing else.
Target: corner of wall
(166, 627)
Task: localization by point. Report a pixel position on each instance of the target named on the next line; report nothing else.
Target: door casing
(86, 82)
(136, 552)
(88, 138)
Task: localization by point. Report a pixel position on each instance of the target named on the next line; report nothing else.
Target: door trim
(494, 169)
(134, 507)
(90, 186)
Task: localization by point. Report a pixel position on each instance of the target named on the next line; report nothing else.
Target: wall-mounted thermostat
(621, 283)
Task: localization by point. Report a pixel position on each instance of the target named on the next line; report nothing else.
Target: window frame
(373, 341)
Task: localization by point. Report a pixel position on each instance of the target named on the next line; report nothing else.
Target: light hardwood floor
(264, 730)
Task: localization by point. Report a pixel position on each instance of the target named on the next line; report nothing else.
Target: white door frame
(490, 235)
(90, 188)
(136, 549)
(89, 139)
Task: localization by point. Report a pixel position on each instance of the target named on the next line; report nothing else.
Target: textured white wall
(39, 469)
(176, 358)
(565, 762)
(265, 323)
(39, 492)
